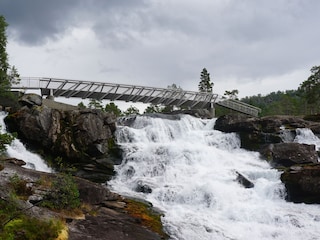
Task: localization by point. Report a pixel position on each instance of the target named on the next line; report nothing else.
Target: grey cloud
(35, 21)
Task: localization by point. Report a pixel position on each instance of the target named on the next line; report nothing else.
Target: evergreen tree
(232, 94)
(111, 107)
(311, 88)
(153, 109)
(205, 84)
(131, 110)
(95, 104)
(4, 65)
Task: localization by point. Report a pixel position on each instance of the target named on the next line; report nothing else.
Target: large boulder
(75, 134)
(302, 183)
(30, 100)
(289, 154)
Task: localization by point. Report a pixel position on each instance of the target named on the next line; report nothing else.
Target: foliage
(153, 109)
(13, 75)
(113, 108)
(131, 110)
(233, 94)
(205, 84)
(310, 88)
(81, 105)
(4, 65)
(64, 194)
(20, 187)
(8, 75)
(31, 228)
(290, 102)
(95, 104)
(14, 224)
(5, 139)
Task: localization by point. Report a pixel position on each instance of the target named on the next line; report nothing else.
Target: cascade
(305, 135)
(17, 150)
(189, 171)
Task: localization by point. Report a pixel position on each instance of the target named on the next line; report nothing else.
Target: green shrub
(31, 228)
(64, 194)
(19, 186)
(5, 139)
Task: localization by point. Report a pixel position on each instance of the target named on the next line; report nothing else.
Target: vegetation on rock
(5, 139)
(149, 218)
(63, 194)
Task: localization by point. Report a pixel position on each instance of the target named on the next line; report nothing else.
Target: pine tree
(205, 84)
(4, 65)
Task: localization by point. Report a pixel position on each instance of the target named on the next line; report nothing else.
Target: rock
(75, 134)
(91, 193)
(288, 154)
(199, 113)
(142, 187)
(255, 133)
(244, 181)
(106, 213)
(302, 183)
(30, 99)
(236, 123)
(16, 161)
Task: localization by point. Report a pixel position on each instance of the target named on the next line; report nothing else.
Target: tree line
(303, 101)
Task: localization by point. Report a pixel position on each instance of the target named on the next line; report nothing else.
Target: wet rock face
(302, 183)
(75, 134)
(289, 154)
(255, 133)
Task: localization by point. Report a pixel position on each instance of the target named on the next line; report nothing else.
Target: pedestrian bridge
(131, 93)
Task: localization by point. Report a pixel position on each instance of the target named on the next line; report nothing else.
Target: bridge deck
(131, 93)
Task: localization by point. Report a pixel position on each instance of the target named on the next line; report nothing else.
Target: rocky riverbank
(101, 215)
(273, 138)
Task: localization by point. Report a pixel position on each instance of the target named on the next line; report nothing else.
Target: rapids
(189, 170)
(17, 150)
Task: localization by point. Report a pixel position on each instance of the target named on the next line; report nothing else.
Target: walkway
(131, 93)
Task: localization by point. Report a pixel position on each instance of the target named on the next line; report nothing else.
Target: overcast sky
(255, 46)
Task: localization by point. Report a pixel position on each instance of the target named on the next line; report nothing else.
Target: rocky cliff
(82, 139)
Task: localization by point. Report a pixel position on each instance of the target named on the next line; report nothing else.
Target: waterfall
(189, 171)
(17, 150)
(305, 135)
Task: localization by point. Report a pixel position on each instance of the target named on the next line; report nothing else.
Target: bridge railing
(100, 90)
(240, 107)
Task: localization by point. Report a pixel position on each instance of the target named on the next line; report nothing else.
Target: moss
(148, 216)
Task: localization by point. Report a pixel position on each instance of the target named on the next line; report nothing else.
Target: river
(188, 171)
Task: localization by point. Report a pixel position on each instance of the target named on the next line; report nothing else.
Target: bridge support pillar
(212, 110)
(50, 95)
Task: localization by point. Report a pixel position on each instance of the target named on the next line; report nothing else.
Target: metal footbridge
(131, 93)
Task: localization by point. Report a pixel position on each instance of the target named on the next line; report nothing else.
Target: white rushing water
(305, 135)
(17, 150)
(191, 170)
